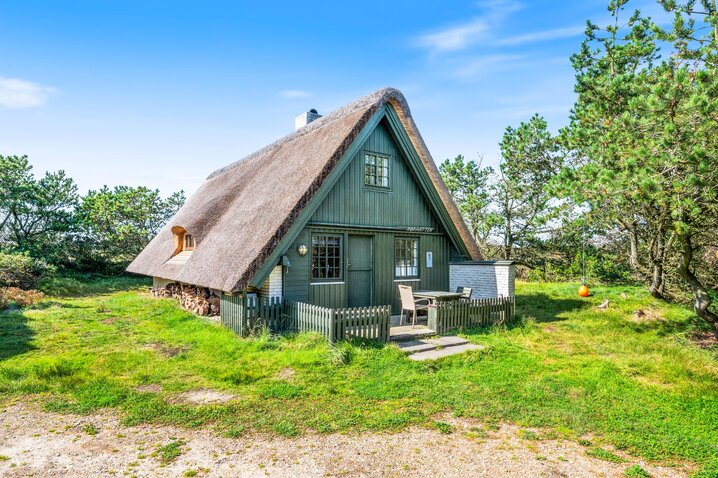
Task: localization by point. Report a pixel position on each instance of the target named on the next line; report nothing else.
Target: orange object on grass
(583, 290)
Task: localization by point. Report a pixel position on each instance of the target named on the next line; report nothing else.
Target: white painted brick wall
(272, 286)
(487, 279)
(158, 282)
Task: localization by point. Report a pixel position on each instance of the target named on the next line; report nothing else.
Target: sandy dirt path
(41, 444)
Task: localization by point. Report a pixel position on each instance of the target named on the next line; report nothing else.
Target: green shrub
(23, 271)
(341, 354)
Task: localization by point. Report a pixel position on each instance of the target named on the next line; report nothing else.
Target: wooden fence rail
(473, 313)
(247, 314)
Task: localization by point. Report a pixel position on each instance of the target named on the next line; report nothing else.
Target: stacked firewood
(198, 300)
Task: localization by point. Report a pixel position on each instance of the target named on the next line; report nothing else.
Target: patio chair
(465, 293)
(410, 304)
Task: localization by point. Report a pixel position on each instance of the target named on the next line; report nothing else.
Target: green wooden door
(360, 270)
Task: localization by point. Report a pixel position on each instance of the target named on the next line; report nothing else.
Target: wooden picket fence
(363, 322)
(473, 313)
(303, 317)
(248, 314)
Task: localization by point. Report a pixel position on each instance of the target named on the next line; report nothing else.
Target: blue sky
(162, 93)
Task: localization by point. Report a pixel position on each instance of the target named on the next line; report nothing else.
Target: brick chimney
(306, 118)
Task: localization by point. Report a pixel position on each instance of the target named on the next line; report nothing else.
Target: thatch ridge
(362, 102)
(242, 211)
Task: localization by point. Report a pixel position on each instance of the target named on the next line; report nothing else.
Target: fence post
(332, 327)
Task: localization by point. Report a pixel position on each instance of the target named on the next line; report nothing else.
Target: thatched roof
(242, 211)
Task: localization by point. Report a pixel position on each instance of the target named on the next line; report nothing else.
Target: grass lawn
(574, 371)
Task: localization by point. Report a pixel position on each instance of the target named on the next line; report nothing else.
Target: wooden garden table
(435, 296)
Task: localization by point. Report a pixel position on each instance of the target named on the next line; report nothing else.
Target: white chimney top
(306, 118)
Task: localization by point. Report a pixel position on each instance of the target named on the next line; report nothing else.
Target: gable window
(406, 258)
(188, 243)
(326, 257)
(376, 170)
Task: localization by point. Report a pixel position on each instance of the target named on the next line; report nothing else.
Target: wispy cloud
(464, 35)
(482, 30)
(293, 94)
(18, 93)
(455, 38)
(539, 36)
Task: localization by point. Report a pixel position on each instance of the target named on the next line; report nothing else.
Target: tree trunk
(633, 239)
(508, 240)
(703, 300)
(657, 280)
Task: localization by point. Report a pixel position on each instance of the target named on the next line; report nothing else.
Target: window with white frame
(406, 258)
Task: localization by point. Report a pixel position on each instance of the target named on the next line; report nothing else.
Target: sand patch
(647, 315)
(149, 388)
(167, 350)
(203, 396)
(287, 374)
(705, 340)
(45, 444)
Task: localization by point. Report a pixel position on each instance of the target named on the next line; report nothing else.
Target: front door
(360, 270)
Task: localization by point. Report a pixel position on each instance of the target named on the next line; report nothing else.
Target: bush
(21, 298)
(22, 271)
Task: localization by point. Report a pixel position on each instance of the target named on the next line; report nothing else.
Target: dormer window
(184, 241)
(188, 242)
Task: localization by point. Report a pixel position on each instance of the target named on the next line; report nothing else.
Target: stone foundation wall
(198, 300)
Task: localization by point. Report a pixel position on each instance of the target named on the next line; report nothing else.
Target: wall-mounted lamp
(302, 250)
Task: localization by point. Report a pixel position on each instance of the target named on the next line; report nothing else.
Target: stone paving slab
(445, 352)
(405, 332)
(414, 346)
(447, 341)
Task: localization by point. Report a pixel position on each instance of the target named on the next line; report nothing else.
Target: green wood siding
(296, 276)
(351, 207)
(299, 288)
(351, 202)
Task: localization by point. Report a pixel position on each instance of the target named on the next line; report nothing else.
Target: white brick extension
(272, 287)
(486, 278)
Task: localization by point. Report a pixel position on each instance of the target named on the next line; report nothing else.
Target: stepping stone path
(436, 348)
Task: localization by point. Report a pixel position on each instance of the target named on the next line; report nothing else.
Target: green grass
(602, 454)
(90, 429)
(170, 452)
(636, 471)
(567, 368)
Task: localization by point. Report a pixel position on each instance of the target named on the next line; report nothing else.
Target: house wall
(272, 286)
(384, 214)
(486, 278)
(158, 282)
(298, 286)
(352, 203)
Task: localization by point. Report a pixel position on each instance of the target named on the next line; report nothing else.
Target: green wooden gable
(410, 201)
(399, 205)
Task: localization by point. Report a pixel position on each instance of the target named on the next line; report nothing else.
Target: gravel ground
(41, 444)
